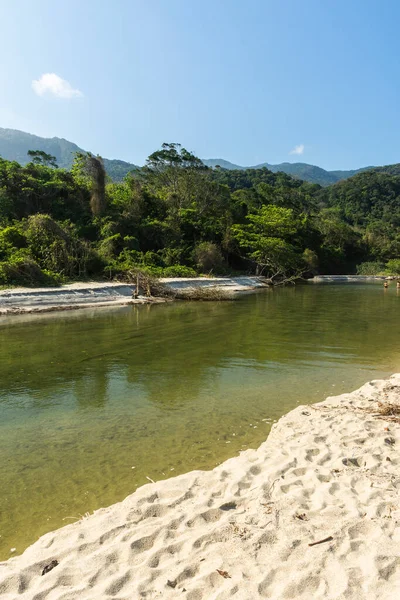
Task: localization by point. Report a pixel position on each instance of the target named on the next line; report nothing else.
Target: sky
(253, 81)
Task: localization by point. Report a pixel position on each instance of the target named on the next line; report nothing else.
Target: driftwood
(327, 539)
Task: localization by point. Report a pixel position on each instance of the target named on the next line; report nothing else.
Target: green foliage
(176, 218)
(208, 257)
(35, 188)
(178, 271)
(11, 242)
(110, 247)
(370, 268)
(393, 266)
(13, 237)
(303, 171)
(369, 204)
(265, 238)
(39, 157)
(57, 247)
(26, 272)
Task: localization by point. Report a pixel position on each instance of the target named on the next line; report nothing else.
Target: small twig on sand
(151, 480)
(327, 539)
(271, 486)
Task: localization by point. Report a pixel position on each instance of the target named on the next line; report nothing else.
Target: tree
(173, 155)
(42, 158)
(263, 239)
(164, 166)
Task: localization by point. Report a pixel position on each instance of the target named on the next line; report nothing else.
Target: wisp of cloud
(53, 85)
(297, 149)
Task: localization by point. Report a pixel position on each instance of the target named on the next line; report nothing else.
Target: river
(95, 403)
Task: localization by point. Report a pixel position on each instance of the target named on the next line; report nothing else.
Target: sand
(99, 294)
(228, 284)
(326, 472)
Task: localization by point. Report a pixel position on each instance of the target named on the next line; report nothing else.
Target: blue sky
(246, 81)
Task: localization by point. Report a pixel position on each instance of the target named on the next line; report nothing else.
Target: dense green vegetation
(304, 171)
(177, 217)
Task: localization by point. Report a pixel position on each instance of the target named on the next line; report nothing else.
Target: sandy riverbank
(326, 472)
(92, 294)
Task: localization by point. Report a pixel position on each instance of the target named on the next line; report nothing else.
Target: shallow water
(93, 403)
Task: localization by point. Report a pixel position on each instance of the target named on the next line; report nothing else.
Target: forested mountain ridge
(15, 144)
(304, 171)
(177, 217)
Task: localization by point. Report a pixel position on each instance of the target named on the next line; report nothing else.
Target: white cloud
(298, 149)
(53, 85)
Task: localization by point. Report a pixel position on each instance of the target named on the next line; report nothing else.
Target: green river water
(93, 402)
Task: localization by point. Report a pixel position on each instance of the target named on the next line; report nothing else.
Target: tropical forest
(177, 217)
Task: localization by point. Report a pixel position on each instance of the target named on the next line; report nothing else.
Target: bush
(393, 266)
(13, 237)
(57, 248)
(370, 268)
(11, 241)
(173, 256)
(178, 271)
(111, 246)
(131, 243)
(24, 271)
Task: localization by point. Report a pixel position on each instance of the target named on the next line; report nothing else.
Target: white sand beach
(92, 294)
(250, 528)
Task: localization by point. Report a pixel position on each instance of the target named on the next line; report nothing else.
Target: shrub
(370, 268)
(131, 243)
(151, 259)
(111, 246)
(12, 235)
(178, 271)
(172, 256)
(24, 271)
(11, 240)
(57, 248)
(393, 266)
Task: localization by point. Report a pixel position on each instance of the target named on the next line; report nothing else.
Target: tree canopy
(177, 217)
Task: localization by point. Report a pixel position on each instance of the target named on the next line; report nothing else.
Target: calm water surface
(92, 403)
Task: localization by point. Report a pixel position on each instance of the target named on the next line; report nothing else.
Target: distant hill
(389, 169)
(14, 145)
(371, 197)
(310, 173)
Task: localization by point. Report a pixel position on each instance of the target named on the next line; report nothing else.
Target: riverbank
(92, 294)
(313, 513)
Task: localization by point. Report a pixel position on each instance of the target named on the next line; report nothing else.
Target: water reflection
(169, 350)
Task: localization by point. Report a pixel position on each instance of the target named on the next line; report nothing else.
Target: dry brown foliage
(390, 410)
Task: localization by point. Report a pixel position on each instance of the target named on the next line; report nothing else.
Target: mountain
(224, 164)
(310, 173)
(14, 145)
